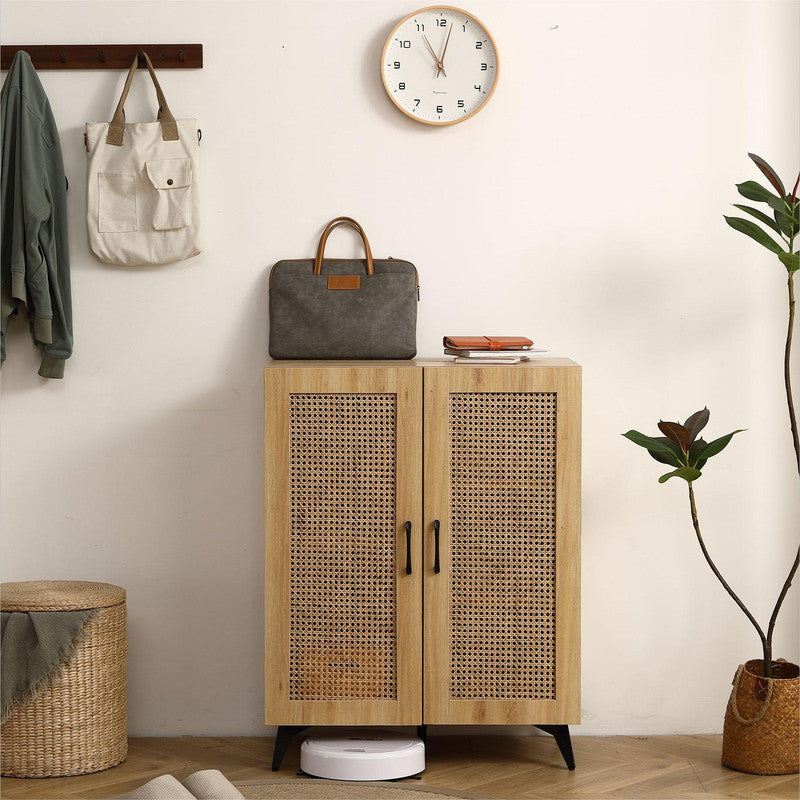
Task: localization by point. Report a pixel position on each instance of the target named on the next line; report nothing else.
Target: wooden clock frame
(389, 91)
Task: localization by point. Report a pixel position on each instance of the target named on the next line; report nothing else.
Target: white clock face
(439, 65)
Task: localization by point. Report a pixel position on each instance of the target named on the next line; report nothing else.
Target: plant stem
(766, 646)
(779, 603)
(787, 376)
(793, 424)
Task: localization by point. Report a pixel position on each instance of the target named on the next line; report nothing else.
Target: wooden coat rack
(105, 56)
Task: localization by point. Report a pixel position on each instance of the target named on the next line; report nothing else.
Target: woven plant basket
(78, 723)
(761, 722)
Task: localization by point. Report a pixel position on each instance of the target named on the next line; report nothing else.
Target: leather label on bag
(344, 281)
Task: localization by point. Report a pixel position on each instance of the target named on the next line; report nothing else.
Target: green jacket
(34, 254)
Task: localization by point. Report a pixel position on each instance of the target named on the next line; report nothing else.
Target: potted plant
(761, 720)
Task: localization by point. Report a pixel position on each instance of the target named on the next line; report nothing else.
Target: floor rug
(315, 789)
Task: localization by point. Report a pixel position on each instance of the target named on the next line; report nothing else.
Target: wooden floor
(680, 767)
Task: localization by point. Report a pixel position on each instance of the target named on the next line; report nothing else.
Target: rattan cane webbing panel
(342, 466)
(503, 545)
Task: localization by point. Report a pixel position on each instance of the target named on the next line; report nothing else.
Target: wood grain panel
(352, 397)
(510, 614)
(503, 766)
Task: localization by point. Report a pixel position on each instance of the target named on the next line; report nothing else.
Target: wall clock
(439, 65)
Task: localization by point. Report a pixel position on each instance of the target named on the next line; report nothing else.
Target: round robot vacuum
(362, 756)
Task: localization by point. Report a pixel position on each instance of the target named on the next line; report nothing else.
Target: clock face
(439, 65)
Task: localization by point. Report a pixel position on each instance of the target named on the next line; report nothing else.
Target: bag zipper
(416, 274)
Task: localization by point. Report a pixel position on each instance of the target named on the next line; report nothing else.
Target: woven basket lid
(58, 595)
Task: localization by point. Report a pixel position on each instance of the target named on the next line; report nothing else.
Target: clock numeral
(396, 65)
(401, 86)
(439, 110)
(441, 23)
(461, 104)
(420, 26)
(477, 86)
(484, 67)
(479, 45)
(416, 101)
(405, 44)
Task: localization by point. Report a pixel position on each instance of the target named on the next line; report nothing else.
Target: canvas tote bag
(343, 308)
(143, 203)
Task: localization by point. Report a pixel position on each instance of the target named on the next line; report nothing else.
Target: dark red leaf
(794, 191)
(675, 432)
(769, 174)
(696, 423)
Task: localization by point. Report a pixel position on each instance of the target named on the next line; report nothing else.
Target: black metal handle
(408, 548)
(436, 567)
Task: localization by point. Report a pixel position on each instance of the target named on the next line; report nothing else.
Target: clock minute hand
(447, 41)
(439, 65)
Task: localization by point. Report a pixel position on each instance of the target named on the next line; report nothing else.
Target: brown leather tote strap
(335, 223)
(116, 128)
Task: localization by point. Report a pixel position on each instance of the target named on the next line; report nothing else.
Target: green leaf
(648, 442)
(760, 216)
(786, 222)
(790, 260)
(696, 422)
(689, 474)
(755, 191)
(718, 445)
(674, 460)
(769, 173)
(676, 432)
(754, 232)
(694, 453)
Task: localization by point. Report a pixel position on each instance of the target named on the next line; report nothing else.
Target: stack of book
(490, 349)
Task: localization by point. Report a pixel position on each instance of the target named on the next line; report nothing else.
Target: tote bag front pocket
(171, 179)
(116, 195)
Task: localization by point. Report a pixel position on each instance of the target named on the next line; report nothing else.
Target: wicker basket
(761, 723)
(78, 724)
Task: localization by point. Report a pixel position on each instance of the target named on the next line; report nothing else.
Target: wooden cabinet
(393, 483)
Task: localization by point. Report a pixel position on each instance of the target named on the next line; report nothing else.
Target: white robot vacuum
(362, 756)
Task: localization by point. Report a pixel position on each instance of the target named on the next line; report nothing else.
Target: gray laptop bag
(343, 308)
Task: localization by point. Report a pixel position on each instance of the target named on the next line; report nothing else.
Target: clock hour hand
(439, 65)
(433, 53)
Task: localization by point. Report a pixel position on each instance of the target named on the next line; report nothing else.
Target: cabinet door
(502, 477)
(343, 461)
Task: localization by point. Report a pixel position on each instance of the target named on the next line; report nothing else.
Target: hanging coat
(34, 253)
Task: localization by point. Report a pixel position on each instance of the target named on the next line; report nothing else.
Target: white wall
(582, 206)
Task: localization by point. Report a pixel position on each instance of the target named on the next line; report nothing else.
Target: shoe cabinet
(422, 557)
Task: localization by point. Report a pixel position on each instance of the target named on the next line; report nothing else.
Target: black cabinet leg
(561, 735)
(285, 735)
(422, 732)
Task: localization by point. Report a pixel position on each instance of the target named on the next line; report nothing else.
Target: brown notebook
(487, 342)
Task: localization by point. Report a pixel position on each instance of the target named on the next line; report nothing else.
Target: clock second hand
(439, 64)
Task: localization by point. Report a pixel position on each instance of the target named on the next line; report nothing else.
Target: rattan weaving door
(502, 475)
(343, 461)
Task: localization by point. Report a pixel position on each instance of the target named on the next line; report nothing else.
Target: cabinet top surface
(534, 363)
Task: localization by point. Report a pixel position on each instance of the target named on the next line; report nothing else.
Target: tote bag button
(169, 181)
